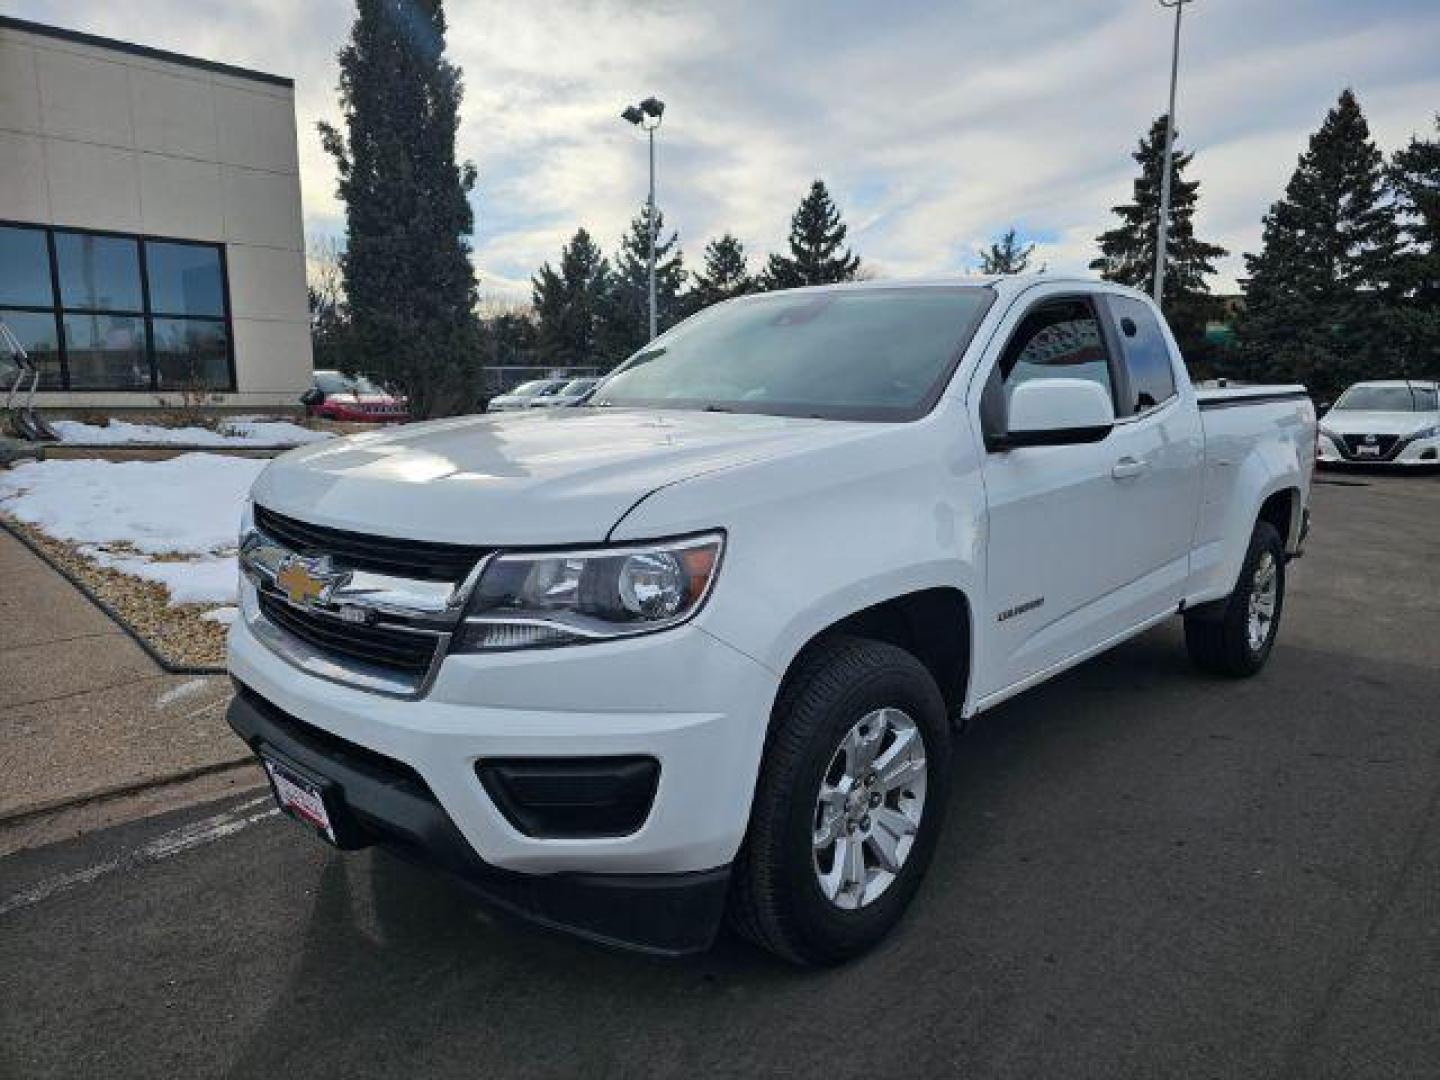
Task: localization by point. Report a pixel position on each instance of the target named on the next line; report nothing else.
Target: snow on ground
(123, 515)
(247, 431)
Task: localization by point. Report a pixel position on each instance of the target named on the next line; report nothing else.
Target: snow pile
(249, 432)
(123, 515)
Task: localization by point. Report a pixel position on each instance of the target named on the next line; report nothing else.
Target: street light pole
(650, 222)
(647, 115)
(1161, 238)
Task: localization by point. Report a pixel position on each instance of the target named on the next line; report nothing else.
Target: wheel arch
(1281, 508)
(932, 624)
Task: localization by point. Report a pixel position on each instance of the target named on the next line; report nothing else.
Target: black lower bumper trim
(383, 801)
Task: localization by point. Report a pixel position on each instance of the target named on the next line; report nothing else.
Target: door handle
(1127, 468)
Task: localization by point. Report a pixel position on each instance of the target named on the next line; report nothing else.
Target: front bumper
(682, 698)
(381, 801)
(1409, 453)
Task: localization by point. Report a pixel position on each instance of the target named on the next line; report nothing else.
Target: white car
(1394, 422)
(525, 396)
(698, 648)
(568, 396)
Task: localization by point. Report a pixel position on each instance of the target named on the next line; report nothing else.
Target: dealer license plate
(300, 797)
(1367, 451)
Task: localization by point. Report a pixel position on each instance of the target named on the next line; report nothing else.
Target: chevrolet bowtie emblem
(304, 581)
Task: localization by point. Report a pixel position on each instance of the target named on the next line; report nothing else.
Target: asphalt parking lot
(1145, 872)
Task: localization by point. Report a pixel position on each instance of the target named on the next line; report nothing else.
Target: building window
(25, 268)
(102, 311)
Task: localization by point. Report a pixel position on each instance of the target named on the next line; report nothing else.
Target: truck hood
(539, 476)
(1363, 422)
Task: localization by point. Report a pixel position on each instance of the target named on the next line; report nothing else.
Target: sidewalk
(84, 714)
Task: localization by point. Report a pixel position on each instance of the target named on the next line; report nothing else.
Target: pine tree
(627, 322)
(571, 304)
(725, 275)
(1127, 252)
(409, 284)
(1007, 256)
(816, 236)
(1318, 299)
(1415, 178)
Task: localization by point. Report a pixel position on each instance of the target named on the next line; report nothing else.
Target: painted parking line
(185, 838)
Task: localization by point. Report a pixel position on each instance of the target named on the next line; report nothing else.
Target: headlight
(528, 599)
(247, 517)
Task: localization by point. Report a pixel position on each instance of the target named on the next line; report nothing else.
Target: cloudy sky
(936, 125)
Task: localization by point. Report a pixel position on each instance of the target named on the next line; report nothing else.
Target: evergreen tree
(816, 236)
(1318, 299)
(1127, 252)
(627, 322)
(409, 284)
(508, 338)
(1415, 178)
(1007, 256)
(571, 304)
(725, 275)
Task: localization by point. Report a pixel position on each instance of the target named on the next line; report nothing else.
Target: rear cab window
(1150, 374)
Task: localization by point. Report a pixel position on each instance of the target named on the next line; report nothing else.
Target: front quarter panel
(814, 537)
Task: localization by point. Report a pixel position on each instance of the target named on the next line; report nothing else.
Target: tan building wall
(103, 135)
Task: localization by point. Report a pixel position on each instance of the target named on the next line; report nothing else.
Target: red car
(337, 396)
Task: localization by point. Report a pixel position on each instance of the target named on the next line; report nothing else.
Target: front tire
(848, 805)
(1234, 637)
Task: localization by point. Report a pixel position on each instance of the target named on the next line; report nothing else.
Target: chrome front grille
(422, 560)
(372, 612)
(407, 651)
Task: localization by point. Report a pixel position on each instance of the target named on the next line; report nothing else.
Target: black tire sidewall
(1265, 539)
(830, 931)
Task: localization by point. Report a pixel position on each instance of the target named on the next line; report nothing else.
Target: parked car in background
(1392, 422)
(568, 396)
(700, 647)
(526, 395)
(336, 396)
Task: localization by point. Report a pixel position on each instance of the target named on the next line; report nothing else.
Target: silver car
(526, 394)
(571, 394)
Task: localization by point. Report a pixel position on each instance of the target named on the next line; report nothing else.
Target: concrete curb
(119, 791)
(164, 664)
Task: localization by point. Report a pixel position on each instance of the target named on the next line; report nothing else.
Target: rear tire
(1234, 636)
(857, 761)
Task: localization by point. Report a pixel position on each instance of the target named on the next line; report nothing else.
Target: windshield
(334, 382)
(864, 354)
(525, 389)
(1389, 399)
(576, 387)
(550, 389)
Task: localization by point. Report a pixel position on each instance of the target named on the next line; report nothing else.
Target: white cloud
(936, 126)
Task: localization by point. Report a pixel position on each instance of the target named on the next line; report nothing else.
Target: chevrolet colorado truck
(697, 648)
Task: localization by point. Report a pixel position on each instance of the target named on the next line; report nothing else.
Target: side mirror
(313, 396)
(1324, 406)
(1057, 412)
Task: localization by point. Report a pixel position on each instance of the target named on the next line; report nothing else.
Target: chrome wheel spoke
(869, 808)
(899, 761)
(862, 744)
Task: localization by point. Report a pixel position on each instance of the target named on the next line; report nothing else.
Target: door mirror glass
(1056, 412)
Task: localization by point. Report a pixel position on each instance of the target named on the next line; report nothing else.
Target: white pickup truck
(697, 647)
